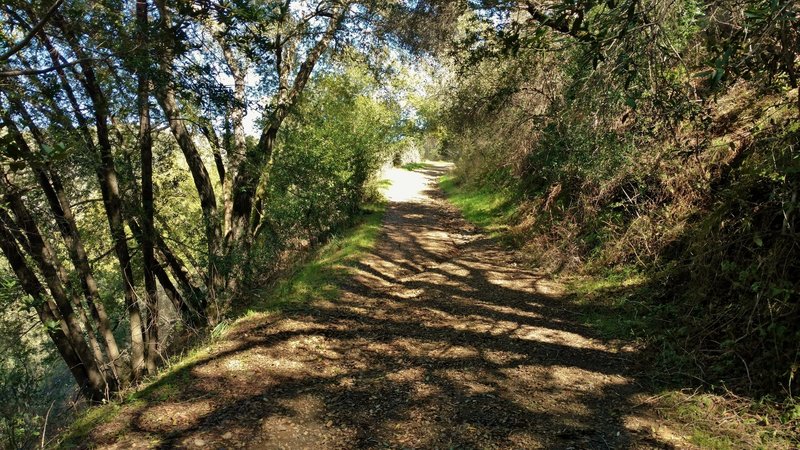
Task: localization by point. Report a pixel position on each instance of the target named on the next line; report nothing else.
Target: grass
(318, 278)
(313, 280)
(611, 304)
(604, 301)
(608, 302)
(722, 423)
(83, 425)
(414, 166)
(619, 304)
(165, 385)
(490, 209)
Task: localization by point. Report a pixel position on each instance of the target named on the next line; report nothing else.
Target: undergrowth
(625, 302)
(317, 279)
(490, 209)
(706, 214)
(414, 166)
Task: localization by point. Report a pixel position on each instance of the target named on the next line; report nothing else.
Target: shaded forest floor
(438, 338)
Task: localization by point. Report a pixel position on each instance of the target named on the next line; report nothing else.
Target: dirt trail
(440, 340)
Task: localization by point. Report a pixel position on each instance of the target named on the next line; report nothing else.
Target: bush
(329, 152)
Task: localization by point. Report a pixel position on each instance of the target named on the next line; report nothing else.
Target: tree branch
(560, 24)
(39, 25)
(16, 73)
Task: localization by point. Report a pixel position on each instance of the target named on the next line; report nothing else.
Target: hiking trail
(440, 339)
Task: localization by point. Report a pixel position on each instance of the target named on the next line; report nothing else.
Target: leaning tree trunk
(236, 151)
(189, 300)
(90, 382)
(65, 218)
(56, 195)
(165, 94)
(59, 204)
(109, 186)
(250, 171)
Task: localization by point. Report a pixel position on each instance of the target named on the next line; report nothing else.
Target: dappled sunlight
(175, 416)
(437, 340)
(554, 336)
(509, 310)
(578, 379)
(549, 288)
(453, 270)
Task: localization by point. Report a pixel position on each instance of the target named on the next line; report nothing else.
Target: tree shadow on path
(438, 340)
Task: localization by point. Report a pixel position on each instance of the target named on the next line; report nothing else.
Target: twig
(44, 427)
(747, 369)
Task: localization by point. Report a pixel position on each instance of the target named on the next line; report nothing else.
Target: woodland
(163, 160)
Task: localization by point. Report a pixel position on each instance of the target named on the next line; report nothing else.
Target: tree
(75, 124)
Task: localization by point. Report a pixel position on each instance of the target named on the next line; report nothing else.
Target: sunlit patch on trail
(235, 365)
(406, 185)
(560, 337)
(174, 416)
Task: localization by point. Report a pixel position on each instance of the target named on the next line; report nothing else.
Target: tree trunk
(109, 186)
(146, 151)
(165, 95)
(68, 226)
(22, 145)
(91, 386)
(43, 256)
(250, 171)
(236, 150)
(57, 199)
(192, 307)
(238, 147)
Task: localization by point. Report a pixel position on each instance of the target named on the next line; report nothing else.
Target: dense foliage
(329, 153)
(649, 137)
